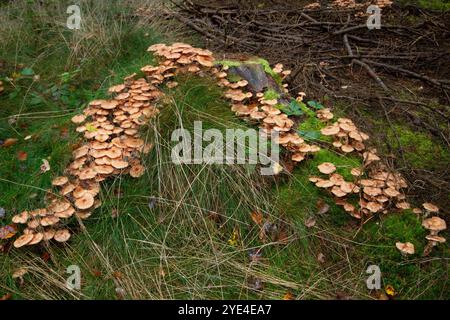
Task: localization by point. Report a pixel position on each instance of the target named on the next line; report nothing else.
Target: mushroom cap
(68, 188)
(85, 202)
(60, 181)
(117, 89)
(119, 164)
(330, 130)
(21, 218)
(372, 191)
(49, 221)
(66, 213)
(435, 238)
(37, 237)
(430, 207)
(434, 224)
(356, 172)
(104, 169)
(297, 157)
(338, 192)
(23, 240)
(109, 104)
(79, 118)
(88, 173)
(137, 170)
(374, 206)
(327, 168)
(322, 183)
(62, 235)
(49, 234)
(59, 206)
(406, 248)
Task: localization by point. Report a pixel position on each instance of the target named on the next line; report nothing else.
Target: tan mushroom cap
(435, 238)
(60, 181)
(330, 130)
(374, 207)
(85, 202)
(137, 170)
(88, 173)
(430, 207)
(356, 172)
(49, 234)
(62, 235)
(66, 213)
(324, 184)
(78, 192)
(391, 192)
(21, 218)
(327, 168)
(79, 118)
(23, 240)
(119, 164)
(372, 191)
(37, 237)
(338, 192)
(434, 224)
(405, 248)
(49, 221)
(297, 157)
(59, 206)
(68, 188)
(109, 104)
(104, 169)
(117, 89)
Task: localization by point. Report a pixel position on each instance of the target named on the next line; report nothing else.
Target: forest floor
(155, 237)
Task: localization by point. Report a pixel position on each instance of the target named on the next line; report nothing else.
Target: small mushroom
(327, 168)
(85, 202)
(60, 181)
(434, 224)
(21, 218)
(62, 235)
(23, 240)
(430, 207)
(405, 248)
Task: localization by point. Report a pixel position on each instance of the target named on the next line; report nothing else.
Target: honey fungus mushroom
(405, 248)
(434, 224)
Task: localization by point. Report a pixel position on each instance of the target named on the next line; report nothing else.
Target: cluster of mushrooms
(112, 146)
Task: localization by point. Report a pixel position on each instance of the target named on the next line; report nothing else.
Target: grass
(166, 235)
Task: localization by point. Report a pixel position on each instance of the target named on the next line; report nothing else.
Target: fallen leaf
(255, 255)
(22, 155)
(233, 241)
(390, 290)
(45, 256)
(256, 284)
(9, 142)
(310, 222)
(117, 275)
(257, 217)
(7, 232)
(288, 296)
(96, 273)
(7, 296)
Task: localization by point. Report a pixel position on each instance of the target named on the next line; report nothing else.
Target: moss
(271, 94)
(264, 63)
(420, 151)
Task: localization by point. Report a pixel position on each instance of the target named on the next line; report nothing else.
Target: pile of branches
(401, 70)
(320, 45)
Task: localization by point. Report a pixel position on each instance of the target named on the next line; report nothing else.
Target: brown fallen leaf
(7, 296)
(9, 142)
(7, 232)
(45, 166)
(288, 296)
(22, 155)
(257, 217)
